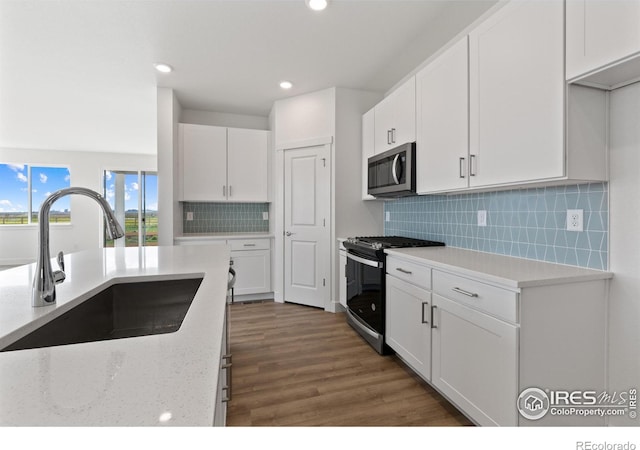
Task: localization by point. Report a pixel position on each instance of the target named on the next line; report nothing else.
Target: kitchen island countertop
(163, 379)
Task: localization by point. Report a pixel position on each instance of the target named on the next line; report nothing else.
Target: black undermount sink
(120, 311)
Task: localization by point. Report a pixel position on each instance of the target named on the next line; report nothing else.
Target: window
(24, 187)
(133, 196)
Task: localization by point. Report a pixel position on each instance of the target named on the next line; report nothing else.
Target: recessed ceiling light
(317, 5)
(286, 84)
(162, 67)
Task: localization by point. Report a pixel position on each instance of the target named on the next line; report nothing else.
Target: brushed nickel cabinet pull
(463, 292)
(424, 320)
(433, 316)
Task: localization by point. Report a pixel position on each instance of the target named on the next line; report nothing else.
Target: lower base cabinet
(407, 327)
(250, 258)
(481, 344)
(475, 362)
(223, 394)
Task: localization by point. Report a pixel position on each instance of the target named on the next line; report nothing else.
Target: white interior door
(307, 197)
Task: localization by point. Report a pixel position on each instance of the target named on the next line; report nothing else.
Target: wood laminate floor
(300, 366)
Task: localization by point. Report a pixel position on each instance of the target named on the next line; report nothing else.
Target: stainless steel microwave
(393, 173)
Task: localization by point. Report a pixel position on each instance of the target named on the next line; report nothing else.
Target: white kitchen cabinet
(247, 159)
(251, 259)
(442, 145)
(203, 156)
(223, 164)
(395, 117)
(407, 323)
(497, 326)
(224, 377)
(475, 362)
(600, 33)
(493, 111)
(517, 94)
(368, 149)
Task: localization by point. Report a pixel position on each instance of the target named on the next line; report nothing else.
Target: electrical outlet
(265, 215)
(574, 220)
(482, 218)
(189, 216)
(387, 216)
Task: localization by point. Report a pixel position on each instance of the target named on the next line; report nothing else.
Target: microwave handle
(393, 169)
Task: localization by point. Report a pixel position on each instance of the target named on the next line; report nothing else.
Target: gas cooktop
(376, 244)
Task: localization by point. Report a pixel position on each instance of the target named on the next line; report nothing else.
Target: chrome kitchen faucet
(44, 284)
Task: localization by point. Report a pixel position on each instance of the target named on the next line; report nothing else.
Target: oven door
(365, 291)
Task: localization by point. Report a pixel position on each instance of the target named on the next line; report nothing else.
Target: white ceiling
(78, 74)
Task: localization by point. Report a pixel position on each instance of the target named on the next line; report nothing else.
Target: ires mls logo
(534, 403)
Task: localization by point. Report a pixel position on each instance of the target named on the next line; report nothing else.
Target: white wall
(624, 244)
(18, 244)
(169, 208)
(304, 117)
(220, 119)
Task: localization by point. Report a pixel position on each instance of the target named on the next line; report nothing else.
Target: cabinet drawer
(249, 244)
(484, 297)
(409, 271)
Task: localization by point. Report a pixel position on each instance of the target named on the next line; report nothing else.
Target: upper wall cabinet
(395, 118)
(493, 110)
(443, 122)
(223, 164)
(368, 149)
(517, 95)
(247, 171)
(203, 156)
(600, 33)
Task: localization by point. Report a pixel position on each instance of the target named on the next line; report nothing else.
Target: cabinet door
(517, 94)
(395, 118)
(247, 165)
(368, 149)
(408, 329)
(442, 145)
(600, 32)
(253, 272)
(475, 362)
(204, 162)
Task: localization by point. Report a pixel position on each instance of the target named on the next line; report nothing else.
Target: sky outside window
(14, 192)
(14, 189)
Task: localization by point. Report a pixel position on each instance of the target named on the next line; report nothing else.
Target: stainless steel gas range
(365, 273)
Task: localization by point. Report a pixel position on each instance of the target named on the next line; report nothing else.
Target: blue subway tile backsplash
(527, 223)
(225, 218)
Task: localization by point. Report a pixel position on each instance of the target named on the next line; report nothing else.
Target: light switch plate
(265, 215)
(189, 216)
(387, 216)
(482, 218)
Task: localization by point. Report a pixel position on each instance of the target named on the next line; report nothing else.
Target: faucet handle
(60, 260)
(59, 275)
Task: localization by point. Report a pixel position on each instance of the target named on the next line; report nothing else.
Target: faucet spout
(44, 284)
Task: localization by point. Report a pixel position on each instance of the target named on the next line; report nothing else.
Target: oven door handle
(366, 262)
(361, 326)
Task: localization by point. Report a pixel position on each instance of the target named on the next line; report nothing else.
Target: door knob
(289, 233)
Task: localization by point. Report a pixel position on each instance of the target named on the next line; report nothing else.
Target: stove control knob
(376, 245)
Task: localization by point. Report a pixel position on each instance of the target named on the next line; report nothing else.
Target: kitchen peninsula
(161, 379)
